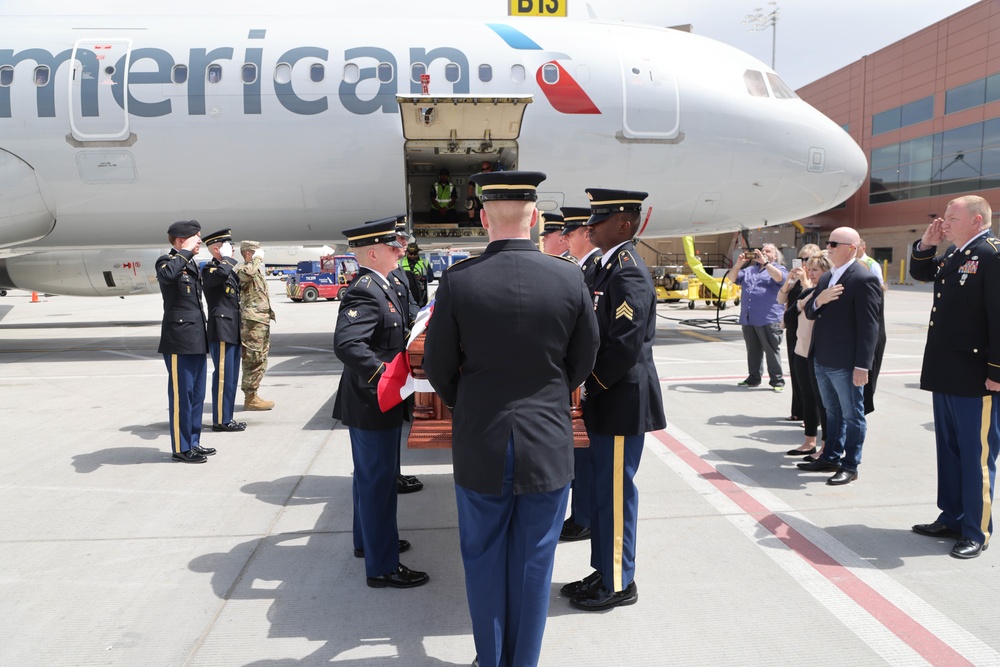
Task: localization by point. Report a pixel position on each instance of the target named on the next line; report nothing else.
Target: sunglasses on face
(834, 244)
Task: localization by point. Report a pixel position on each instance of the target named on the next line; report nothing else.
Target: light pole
(762, 20)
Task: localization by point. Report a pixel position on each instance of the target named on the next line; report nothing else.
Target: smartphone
(796, 263)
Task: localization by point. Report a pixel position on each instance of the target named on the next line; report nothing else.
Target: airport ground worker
(255, 332)
(444, 194)
(418, 273)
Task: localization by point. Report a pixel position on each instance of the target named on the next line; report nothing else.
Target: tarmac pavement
(113, 554)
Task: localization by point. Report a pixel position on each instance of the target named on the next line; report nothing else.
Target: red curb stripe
(920, 639)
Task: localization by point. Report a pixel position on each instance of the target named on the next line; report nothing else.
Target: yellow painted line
(701, 336)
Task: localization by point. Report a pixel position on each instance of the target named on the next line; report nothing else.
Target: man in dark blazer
(623, 400)
(222, 292)
(371, 332)
(512, 335)
(183, 340)
(845, 309)
(962, 367)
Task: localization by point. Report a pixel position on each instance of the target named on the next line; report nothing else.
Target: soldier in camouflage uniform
(255, 329)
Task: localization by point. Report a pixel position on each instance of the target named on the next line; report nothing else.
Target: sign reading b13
(537, 7)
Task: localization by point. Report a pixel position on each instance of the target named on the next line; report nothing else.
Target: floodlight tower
(762, 19)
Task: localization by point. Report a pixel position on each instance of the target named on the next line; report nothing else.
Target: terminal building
(926, 111)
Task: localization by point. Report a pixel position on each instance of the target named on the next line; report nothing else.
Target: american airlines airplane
(289, 129)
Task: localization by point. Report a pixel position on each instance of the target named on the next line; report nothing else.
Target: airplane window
(283, 73)
(214, 73)
(249, 73)
(517, 73)
(6, 75)
(485, 73)
(384, 72)
(179, 74)
(582, 74)
(41, 75)
(754, 82)
(452, 73)
(352, 73)
(550, 73)
(416, 70)
(317, 72)
(780, 88)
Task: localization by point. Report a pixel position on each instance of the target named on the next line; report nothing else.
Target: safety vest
(443, 191)
(420, 268)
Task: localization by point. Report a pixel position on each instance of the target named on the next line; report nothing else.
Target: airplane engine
(23, 214)
(111, 272)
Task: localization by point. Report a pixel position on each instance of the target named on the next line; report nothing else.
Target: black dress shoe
(585, 585)
(602, 598)
(843, 477)
(403, 546)
(572, 531)
(966, 548)
(233, 426)
(818, 466)
(936, 529)
(408, 484)
(401, 577)
(800, 452)
(189, 456)
(204, 451)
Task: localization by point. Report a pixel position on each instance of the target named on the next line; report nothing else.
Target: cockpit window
(6, 75)
(780, 88)
(754, 81)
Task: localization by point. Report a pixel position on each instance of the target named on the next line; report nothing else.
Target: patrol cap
(183, 229)
(574, 217)
(551, 223)
(374, 232)
(604, 203)
(508, 185)
(249, 246)
(220, 236)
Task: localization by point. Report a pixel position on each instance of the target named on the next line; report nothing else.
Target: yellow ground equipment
(671, 286)
(703, 287)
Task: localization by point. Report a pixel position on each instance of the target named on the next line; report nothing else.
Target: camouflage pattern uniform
(256, 313)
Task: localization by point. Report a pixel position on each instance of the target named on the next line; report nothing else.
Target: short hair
(820, 260)
(976, 205)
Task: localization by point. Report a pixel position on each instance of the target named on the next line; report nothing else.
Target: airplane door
(95, 114)
(467, 121)
(651, 103)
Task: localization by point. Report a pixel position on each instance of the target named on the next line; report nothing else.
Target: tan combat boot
(255, 402)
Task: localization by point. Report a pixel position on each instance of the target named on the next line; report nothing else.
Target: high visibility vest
(443, 192)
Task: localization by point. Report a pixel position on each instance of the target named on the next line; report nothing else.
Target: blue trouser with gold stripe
(508, 547)
(614, 506)
(226, 361)
(185, 398)
(967, 431)
(374, 492)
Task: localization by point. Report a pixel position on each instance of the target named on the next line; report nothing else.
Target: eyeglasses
(834, 244)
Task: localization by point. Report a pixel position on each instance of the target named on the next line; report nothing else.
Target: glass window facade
(973, 94)
(963, 159)
(904, 116)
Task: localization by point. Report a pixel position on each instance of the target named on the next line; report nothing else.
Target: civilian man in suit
(371, 331)
(588, 256)
(845, 310)
(183, 340)
(962, 367)
(222, 292)
(513, 334)
(623, 400)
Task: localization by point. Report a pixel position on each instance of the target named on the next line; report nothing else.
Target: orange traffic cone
(34, 297)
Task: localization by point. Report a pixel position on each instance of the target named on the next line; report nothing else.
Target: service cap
(220, 236)
(373, 232)
(183, 229)
(574, 217)
(605, 202)
(551, 223)
(249, 246)
(508, 185)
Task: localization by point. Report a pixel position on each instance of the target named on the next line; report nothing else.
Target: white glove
(259, 252)
(226, 250)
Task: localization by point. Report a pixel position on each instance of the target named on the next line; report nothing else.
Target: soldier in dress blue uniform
(962, 368)
(623, 400)
(183, 340)
(588, 256)
(222, 292)
(371, 331)
(552, 240)
(507, 355)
